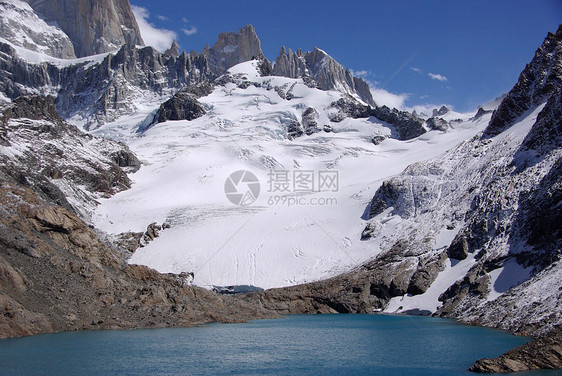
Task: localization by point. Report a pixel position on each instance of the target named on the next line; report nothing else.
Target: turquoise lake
(297, 345)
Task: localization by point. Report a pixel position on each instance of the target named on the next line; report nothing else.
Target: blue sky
(413, 53)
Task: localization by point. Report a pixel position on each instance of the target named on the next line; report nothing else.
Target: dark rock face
(378, 139)
(426, 273)
(94, 26)
(349, 107)
(481, 112)
(459, 248)
(541, 353)
(182, 106)
(438, 124)
(18, 76)
(320, 70)
(309, 121)
(546, 134)
(407, 125)
(33, 107)
(540, 78)
(264, 67)
(294, 129)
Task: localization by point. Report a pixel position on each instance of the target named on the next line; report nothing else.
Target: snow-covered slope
(283, 238)
(20, 25)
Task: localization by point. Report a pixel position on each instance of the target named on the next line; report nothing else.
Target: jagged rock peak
(94, 26)
(322, 72)
(440, 112)
(233, 48)
(21, 26)
(540, 79)
(174, 50)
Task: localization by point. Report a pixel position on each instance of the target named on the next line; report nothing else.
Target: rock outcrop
(407, 126)
(183, 105)
(94, 26)
(440, 112)
(438, 124)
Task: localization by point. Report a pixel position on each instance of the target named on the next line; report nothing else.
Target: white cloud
(417, 70)
(161, 39)
(162, 18)
(185, 20)
(439, 77)
(192, 30)
(398, 101)
(360, 73)
(383, 97)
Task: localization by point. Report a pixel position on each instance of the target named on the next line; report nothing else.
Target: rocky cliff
(64, 165)
(94, 26)
(233, 48)
(99, 91)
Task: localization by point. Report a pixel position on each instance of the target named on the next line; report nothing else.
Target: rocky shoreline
(542, 353)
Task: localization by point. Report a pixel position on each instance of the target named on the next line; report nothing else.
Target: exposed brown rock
(57, 275)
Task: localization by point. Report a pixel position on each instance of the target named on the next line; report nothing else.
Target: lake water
(297, 345)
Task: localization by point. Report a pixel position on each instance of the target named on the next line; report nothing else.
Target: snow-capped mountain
(249, 123)
(474, 233)
(273, 175)
(320, 70)
(133, 81)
